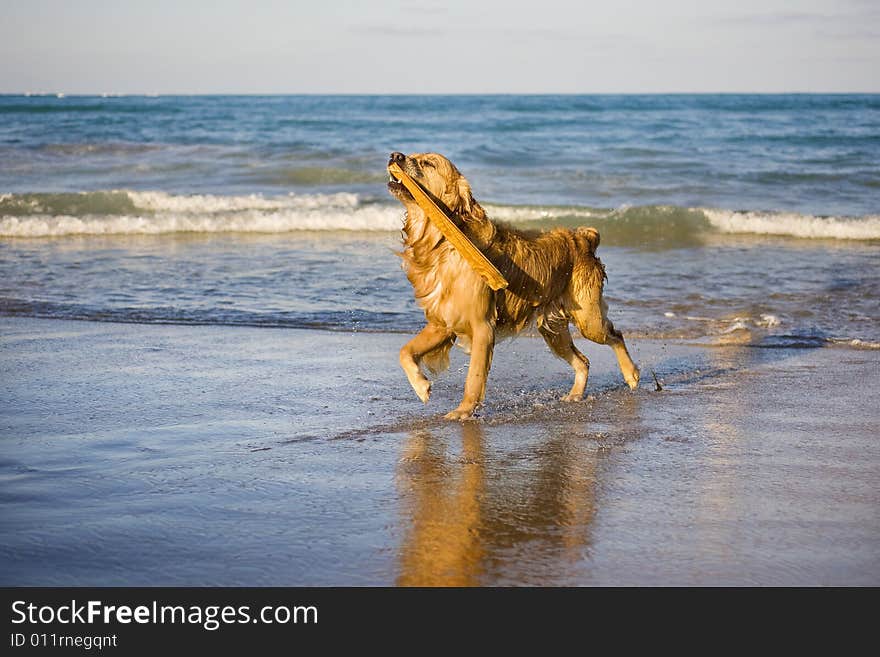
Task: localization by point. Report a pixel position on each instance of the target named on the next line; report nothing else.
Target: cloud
(398, 32)
(788, 18)
(855, 23)
(547, 35)
(852, 32)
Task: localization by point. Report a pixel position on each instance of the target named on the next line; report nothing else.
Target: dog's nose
(396, 158)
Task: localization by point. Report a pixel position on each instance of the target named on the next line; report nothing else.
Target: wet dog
(554, 278)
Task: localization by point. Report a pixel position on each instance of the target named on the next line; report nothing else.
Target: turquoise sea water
(746, 217)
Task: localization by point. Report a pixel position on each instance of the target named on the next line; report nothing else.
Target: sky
(439, 46)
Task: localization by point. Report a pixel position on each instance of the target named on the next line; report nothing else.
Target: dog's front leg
(482, 346)
(411, 353)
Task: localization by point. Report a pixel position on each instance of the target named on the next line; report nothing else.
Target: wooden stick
(458, 239)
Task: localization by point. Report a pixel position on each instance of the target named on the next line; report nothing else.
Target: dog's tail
(437, 360)
(589, 235)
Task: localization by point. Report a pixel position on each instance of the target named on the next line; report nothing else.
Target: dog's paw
(423, 390)
(459, 414)
(633, 379)
(570, 397)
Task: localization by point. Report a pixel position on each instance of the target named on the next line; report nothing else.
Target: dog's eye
(427, 163)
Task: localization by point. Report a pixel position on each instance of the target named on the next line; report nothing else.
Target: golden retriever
(554, 278)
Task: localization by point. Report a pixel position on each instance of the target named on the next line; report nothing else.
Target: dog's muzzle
(394, 185)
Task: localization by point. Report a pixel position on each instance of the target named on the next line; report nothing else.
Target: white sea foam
(515, 213)
(738, 324)
(745, 323)
(250, 221)
(769, 321)
(855, 343)
(145, 212)
(158, 213)
(154, 213)
(212, 204)
(795, 225)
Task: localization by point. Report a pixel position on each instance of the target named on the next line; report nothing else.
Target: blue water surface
(813, 154)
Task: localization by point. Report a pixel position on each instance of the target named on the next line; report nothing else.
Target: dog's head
(439, 177)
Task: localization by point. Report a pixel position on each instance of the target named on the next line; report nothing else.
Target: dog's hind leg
(429, 338)
(593, 323)
(558, 338)
(614, 339)
(482, 347)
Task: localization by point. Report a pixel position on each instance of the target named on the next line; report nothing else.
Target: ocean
(201, 307)
(754, 218)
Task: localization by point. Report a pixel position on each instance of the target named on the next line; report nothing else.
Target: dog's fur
(554, 278)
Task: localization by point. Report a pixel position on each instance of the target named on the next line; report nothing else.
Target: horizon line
(110, 94)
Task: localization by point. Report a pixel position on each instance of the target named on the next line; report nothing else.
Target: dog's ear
(466, 200)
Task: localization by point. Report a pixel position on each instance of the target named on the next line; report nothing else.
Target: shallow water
(745, 289)
(224, 455)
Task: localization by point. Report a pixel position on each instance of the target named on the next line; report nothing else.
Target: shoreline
(162, 454)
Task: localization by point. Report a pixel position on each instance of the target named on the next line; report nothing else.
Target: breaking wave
(122, 212)
(154, 213)
(795, 225)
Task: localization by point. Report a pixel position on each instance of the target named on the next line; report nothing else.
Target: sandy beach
(168, 455)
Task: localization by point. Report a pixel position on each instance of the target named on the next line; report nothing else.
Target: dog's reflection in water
(486, 516)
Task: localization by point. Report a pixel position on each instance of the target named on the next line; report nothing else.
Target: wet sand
(169, 455)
